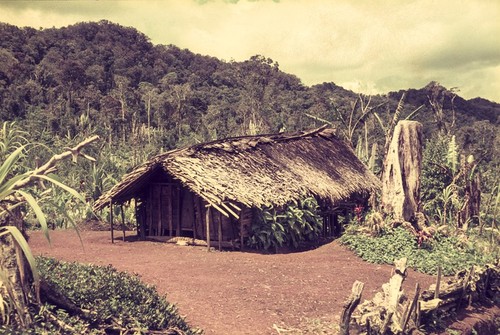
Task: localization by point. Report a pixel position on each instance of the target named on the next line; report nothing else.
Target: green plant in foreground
(111, 297)
(18, 271)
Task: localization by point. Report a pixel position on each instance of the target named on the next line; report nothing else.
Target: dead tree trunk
(349, 306)
(402, 169)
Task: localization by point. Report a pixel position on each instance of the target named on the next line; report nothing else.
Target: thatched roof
(257, 170)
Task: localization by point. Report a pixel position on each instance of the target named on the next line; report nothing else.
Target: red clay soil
(234, 292)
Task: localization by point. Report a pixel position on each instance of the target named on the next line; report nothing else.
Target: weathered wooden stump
(402, 170)
(349, 306)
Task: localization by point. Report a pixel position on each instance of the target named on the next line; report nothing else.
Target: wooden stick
(220, 231)
(465, 286)
(214, 205)
(111, 220)
(230, 210)
(418, 312)
(409, 311)
(149, 213)
(170, 212)
(349, 306)
(123, 221)
(241, 235)
(234, 206)
(438, 283)
(199, 207)
(158, 199)
(207, 218)
(194, 216)
(178, 211)
(385, 324)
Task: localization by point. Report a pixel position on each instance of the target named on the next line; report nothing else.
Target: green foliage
(110, 296)
(298, 222)
(448, 252)
(18, 271)
(435, 174)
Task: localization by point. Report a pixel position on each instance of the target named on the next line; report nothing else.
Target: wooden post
(138, 221)
(325, 224)
(241, 233)
(123, 221)
(170, 212)
(207, 219)
(111, 220)
(418, 312)
(178, 231)
(149, 211)
(349, 306)
(438, 284)
(465, 286)
(199, 208)
(407, 314)
(220, 231)
(193, 200)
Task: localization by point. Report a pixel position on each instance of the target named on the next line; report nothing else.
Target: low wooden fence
(391, 312)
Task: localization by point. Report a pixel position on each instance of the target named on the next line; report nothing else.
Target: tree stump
(402, 170)
(349, 306)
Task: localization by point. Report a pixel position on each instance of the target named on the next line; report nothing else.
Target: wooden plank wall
(168, 209)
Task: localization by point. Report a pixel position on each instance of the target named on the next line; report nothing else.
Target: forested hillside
(61, 85)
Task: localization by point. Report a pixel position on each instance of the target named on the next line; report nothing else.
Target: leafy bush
(112, 297)
(436, 174)
(298, 222)
(447, 252)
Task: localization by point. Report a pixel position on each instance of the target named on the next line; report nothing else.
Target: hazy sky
(367, 46)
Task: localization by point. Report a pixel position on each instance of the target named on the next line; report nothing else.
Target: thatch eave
(259, 170)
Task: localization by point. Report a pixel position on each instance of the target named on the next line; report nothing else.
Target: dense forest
(62, 85)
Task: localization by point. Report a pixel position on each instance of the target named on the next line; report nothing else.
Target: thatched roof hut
(252, 171)
(258, 170)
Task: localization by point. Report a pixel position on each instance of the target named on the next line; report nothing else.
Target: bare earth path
(233, 292)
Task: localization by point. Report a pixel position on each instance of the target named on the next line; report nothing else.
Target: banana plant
(15, 195)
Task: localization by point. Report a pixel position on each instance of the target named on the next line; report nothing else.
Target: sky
(367, 46)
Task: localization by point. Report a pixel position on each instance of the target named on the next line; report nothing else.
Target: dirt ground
(234, 292)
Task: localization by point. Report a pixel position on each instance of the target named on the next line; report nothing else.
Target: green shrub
(111, 297)
(298, 222)
(447, 252)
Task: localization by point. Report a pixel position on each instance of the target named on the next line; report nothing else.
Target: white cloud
(374, 46)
